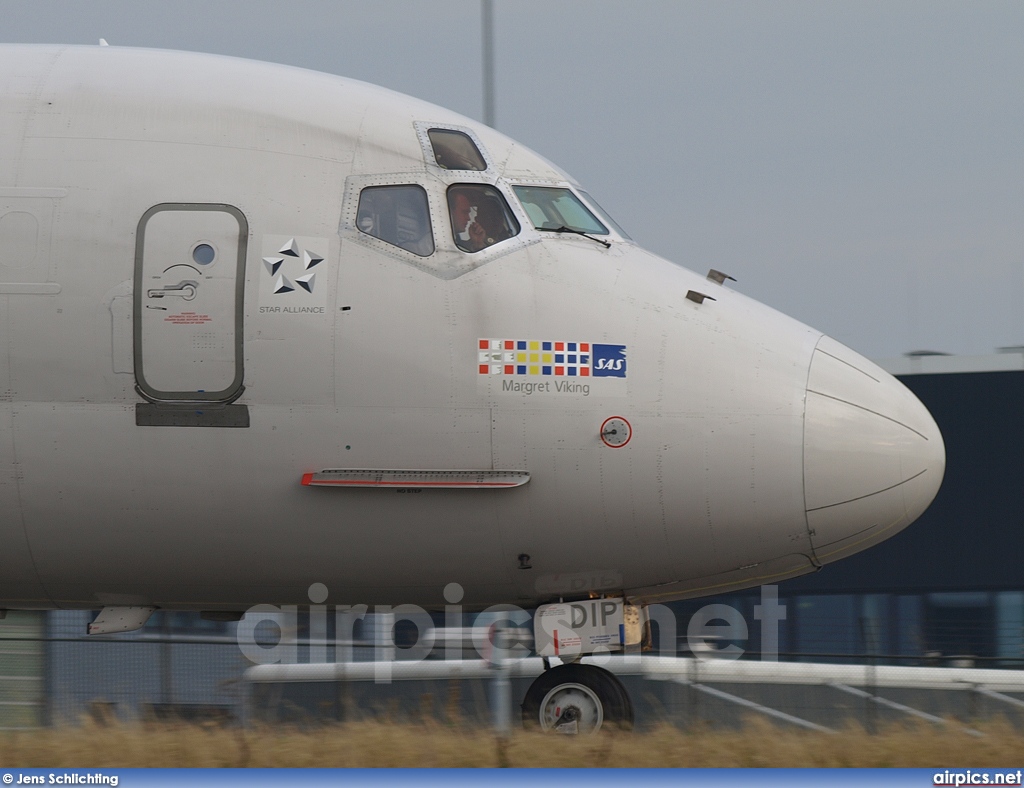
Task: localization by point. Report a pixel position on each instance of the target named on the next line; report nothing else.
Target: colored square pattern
(551, 358)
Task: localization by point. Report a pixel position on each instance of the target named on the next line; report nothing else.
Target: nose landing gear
(577, 699)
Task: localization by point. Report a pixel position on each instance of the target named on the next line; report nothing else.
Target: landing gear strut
(577, 698)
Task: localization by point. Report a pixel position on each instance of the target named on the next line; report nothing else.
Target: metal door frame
(235, 389)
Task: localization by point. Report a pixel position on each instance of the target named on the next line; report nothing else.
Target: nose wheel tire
(577, 699)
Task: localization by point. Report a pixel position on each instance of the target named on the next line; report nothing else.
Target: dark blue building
(950, 586)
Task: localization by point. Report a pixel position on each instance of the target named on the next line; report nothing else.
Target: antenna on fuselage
(718, 276)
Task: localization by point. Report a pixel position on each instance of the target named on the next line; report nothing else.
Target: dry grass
(381, 744)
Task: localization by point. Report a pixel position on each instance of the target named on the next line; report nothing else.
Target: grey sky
(857, 165)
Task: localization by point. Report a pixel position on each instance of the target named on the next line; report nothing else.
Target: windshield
(604, 215)
(556, 208)
(399, 215)
(454, 150)
(480, 216)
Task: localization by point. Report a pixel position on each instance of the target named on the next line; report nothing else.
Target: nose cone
(873, 455)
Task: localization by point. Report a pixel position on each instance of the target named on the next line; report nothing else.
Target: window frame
(422, 129)
(456, 133)
(426, 203)
(516, 186)
(508, 211)
(448, 262)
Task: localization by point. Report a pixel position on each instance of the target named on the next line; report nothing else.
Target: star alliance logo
(290, 251)
(297, 279)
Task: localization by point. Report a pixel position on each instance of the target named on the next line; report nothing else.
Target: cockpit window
(558, 210)
(454, 150)
(399, 215)
(604, 215)
(480, 216)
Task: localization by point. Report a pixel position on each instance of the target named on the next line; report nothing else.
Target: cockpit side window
(454, 150)
(557, 210)
(480, 216)
(399, 215)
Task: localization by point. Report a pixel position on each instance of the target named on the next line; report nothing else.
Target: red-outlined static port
(616, 432)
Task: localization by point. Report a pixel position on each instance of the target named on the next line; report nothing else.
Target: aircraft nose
(873, 455)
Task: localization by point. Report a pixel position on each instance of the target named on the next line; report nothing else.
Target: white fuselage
(759, 449)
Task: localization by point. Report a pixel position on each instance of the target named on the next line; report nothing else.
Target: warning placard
(188, 319)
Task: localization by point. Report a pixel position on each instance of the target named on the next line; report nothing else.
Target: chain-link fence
(184, 668)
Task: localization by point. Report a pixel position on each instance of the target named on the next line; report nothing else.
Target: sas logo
(550, 358)
(609, 361)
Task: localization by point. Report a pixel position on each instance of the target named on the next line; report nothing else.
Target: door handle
(186, 290)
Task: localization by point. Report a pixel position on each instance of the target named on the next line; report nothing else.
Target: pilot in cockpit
(479, 218)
